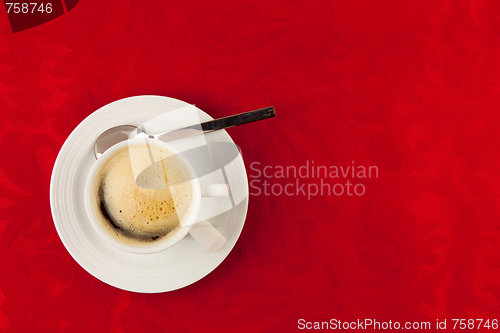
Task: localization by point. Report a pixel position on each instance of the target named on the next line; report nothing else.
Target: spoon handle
(216, 124)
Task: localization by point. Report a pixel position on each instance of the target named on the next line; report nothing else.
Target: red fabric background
(411, 87)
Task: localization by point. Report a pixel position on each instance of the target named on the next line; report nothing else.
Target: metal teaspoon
(124, 132)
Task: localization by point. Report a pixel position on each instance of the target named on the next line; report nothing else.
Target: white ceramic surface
(144, 247)
(174, 268)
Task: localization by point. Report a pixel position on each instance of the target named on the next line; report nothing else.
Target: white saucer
(174, 268)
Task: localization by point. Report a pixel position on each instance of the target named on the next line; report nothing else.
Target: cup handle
(204, 232)
(214, 190)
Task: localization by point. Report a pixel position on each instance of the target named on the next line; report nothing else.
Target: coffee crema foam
(139, 214)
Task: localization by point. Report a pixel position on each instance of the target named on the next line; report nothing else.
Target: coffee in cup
(148, 213)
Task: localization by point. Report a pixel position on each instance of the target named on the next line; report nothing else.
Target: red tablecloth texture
(412, 87)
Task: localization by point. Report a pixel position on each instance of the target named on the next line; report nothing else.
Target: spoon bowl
(111, 137)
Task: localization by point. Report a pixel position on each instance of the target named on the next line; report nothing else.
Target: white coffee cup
(205, 233)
